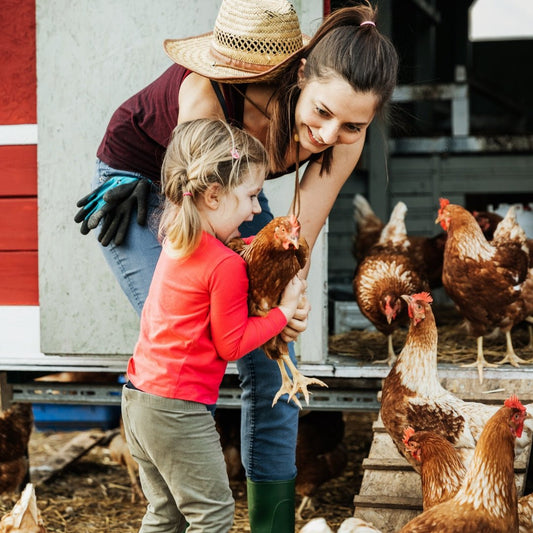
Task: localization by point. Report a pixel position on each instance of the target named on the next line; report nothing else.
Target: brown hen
(442, 473)
(274, 257)
(384, 275)
(487, 499)
(368, 227)
(485, 279)
(488, 222)
(441, 469)
(16, 424)
(413, 396)
(425, 252)
(119, 452)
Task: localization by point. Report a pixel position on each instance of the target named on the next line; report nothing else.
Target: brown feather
(483, 279)
(16, 424)
(441, 469)
(487, 499)
(270, 268)
(386, 273)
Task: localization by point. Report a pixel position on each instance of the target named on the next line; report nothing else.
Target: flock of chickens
(484, 263)
(463, 450)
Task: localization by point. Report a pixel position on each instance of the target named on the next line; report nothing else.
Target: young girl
(194, 321)
(305, 100)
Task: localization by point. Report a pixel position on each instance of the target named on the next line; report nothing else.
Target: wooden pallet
(391, 492)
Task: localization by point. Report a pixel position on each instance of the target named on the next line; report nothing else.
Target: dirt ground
(93, 493)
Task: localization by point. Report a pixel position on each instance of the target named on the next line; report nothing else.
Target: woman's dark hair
(360, 54)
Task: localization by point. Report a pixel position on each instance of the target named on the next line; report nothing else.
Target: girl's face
(330, 112)
(239, 205)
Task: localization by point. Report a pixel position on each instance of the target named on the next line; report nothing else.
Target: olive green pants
(181, 465)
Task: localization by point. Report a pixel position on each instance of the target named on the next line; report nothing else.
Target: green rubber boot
(271, 506)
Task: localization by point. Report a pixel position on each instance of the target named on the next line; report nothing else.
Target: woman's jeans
(268, 434)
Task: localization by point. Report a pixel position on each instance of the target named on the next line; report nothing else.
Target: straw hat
(250, 40)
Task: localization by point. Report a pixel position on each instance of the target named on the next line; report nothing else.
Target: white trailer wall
(91, 56)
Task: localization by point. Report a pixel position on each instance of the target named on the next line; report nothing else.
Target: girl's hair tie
(367, 22)
(187, 193)
(235, 154)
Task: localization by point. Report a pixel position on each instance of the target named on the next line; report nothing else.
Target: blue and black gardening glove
(113, 203)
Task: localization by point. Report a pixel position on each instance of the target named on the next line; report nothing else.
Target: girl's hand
(291, 296)
(298, 323)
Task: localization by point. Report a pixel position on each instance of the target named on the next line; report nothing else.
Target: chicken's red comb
(444, 202)
(407, 434)
(514, 403)
(293, 220)
(295, 227)
(424, 296)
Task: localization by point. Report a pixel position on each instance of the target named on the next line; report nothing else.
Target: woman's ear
(301, 76)
(212, 195)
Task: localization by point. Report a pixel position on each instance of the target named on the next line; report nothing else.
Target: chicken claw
(481, 362)
(299, 382)
(286, 385)
(510, 355)
(391, 356)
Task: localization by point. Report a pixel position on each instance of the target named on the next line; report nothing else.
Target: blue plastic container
(73, 417)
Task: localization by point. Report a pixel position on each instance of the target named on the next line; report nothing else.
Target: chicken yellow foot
(391, 356)
(298, 383)
(481, 362)
(529, 346)
(510, 355)
(307, 503)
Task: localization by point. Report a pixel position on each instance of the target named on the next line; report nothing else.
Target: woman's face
(330, 112)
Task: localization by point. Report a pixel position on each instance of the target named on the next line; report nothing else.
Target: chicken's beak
(443, 221)
(294, 241)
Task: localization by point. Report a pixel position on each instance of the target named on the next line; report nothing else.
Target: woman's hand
(298, 323)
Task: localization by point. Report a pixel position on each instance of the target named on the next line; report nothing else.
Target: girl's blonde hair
(201, 153)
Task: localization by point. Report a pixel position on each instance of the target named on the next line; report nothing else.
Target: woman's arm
(197, 99)
(317, 196)
(318, 193)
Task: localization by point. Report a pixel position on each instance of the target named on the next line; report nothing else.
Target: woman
(305, 101)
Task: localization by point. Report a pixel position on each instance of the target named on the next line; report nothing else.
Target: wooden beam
(74, 449)
(389, 502)
(6, 392)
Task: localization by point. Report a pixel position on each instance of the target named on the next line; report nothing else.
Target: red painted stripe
(19, 278)
(18, 224)
(18, 170)
(18, 65)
